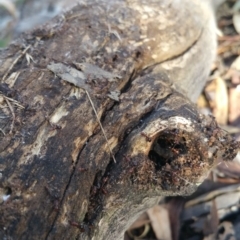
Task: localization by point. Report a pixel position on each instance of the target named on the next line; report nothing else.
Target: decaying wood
(58, 175)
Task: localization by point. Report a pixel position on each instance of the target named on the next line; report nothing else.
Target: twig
(2, 132)
(229, 38)
(184, 179)
(100, 124)
(13, 101)
(13, 114)
(14, 62)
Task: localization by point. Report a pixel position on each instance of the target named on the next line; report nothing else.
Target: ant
(104, 181)
(55, 199)
(82, 169)
(149, 139)
(75, 224)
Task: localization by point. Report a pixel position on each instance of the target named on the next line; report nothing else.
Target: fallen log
(93, 131)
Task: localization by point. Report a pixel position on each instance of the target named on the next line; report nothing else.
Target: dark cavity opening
(8, 191)
(167, 147)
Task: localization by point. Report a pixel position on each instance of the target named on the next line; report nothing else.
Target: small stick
(2, 132)
(13, 114)
(183, 179)
(14, 62)
(13, 101)
(100, 125)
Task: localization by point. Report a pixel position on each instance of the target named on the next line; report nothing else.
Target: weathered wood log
(83, 161)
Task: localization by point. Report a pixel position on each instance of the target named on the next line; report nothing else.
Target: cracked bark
(58, 178)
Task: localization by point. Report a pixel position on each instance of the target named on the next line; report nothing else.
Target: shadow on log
(84, 161)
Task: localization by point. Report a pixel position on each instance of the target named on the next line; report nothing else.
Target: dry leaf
(212, 220)
(175, 207)
(226, 231)
(160, 222)
(236, 16)
(221, 102)
(236, 21)
(141, 221)
(10, 7)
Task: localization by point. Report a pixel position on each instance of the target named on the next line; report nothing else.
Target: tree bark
(83, 161)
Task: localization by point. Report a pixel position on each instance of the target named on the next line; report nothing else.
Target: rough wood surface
(58, 175)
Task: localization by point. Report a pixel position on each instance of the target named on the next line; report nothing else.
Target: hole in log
(5, 194)
(179, 159)
(8, 191)
(166, 147)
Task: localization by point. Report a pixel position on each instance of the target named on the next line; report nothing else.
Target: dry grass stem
(13, 114)
(103, 131)
(14, 62)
